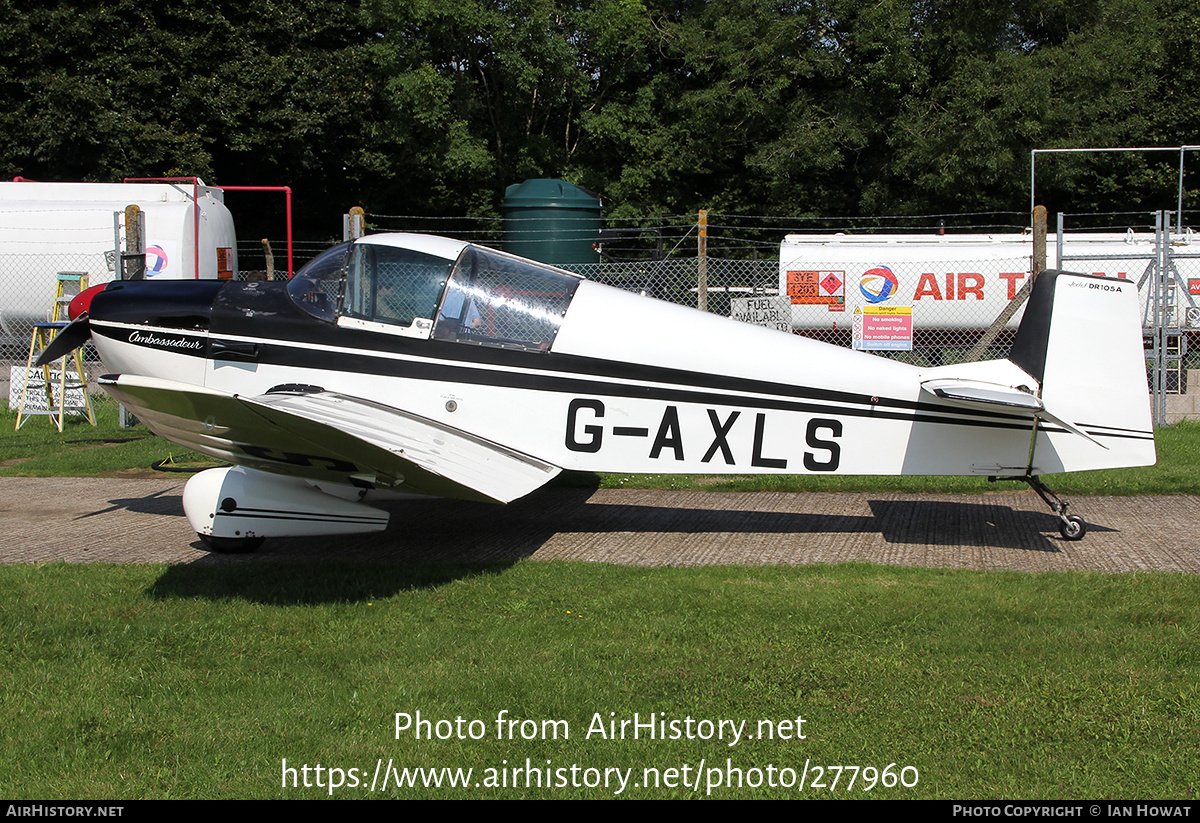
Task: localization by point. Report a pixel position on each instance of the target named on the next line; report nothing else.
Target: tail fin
(1081, 337)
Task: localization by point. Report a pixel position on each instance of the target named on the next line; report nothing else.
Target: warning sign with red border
(817, 288)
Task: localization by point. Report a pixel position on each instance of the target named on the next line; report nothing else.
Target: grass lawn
(38, 449)
(213, 680)
(200, 681)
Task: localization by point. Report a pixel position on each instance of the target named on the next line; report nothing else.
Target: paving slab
(82, 520)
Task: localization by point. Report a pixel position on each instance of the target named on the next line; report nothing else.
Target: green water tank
(552, 221)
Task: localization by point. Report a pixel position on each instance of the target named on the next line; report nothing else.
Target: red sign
(817, 288)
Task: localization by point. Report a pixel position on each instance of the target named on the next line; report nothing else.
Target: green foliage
(759, 106)
(246, 93)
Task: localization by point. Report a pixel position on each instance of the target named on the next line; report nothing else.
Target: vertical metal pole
(1168, 315)
(1158, 328)
(196, 223)
(287, 196)
(1060, 241)
(116, 261)
(702, 262)
(1179, 195)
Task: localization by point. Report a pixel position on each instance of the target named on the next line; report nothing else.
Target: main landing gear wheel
(231, 545)
(1072, 528)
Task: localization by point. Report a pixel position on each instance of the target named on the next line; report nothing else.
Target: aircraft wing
(322, 435)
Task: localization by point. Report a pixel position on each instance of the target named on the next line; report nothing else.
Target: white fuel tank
(47, 228)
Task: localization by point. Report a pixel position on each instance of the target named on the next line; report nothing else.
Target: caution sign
(883, 328)
(817, 288)
(35, 398)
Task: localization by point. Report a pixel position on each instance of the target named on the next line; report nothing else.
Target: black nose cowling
(172, 304)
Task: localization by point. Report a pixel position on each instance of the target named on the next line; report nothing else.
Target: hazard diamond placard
(817, 288)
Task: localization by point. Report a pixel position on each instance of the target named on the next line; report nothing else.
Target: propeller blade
(71, 337)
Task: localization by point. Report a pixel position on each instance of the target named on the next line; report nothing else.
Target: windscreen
(315, 287)
(493, 299)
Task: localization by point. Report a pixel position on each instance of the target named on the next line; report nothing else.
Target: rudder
(1081, 338)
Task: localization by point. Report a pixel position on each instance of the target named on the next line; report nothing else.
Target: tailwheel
(231, 545)
(1071, 527)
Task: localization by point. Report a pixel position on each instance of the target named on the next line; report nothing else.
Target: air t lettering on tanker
(1014, 280)
(971, 285)
(585, 433)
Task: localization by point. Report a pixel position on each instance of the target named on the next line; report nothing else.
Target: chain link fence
(934, 300)
(710, 282)
(954, 288)
(29, 289)
(28, 286)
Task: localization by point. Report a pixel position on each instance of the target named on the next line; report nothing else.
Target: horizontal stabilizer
(978, 394)
(975, 394)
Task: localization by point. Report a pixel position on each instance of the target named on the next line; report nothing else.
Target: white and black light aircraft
(403, 363)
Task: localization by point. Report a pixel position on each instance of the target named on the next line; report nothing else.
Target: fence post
(1039, 265)
(1039, 241)
(702, 262)
(133, 261)
(269, 258)
(1162, 232)
(354, 224)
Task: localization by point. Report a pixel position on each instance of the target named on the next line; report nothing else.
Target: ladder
(60, 391)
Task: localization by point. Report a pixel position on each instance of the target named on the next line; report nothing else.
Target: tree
(777, 107)
(245, 93)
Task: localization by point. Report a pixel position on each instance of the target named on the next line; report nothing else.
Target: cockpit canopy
(419, 286)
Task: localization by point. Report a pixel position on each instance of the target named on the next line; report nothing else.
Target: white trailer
(958, 282)
(47, 228)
